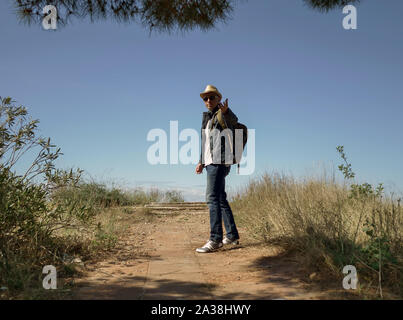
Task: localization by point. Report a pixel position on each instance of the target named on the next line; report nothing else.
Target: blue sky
(293, 74)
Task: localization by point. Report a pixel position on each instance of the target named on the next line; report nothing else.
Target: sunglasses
(211, 98)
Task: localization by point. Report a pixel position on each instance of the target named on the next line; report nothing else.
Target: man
(213, 157)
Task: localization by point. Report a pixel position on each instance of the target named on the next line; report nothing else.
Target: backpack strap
(223, 124)
(221, 119)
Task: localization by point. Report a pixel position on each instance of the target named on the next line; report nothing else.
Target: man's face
(212, 101)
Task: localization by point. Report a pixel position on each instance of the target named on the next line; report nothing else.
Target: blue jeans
(216, 199)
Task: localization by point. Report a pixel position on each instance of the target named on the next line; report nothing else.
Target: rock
(67, 258)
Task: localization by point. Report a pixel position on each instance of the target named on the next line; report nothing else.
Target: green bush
(29, 220)
(99, 196)
(173, 196)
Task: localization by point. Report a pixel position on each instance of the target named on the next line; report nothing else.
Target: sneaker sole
(206, 251)
(234, 243)
(209, 250)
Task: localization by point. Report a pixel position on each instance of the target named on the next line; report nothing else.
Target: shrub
(28, 220)
(173, 196)
(331, 225)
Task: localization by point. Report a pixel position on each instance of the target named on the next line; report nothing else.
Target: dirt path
(157, 260)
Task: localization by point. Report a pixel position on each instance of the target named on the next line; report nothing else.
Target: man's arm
(201, 145)
(201, 152)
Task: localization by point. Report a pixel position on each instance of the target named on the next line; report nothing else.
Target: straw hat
(210, 89)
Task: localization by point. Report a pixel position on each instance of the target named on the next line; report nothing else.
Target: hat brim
(203, 94)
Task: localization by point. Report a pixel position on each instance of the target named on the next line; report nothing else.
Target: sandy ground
(157, 260)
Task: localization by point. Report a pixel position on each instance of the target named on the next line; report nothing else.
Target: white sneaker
(229, 241)
(210, 246)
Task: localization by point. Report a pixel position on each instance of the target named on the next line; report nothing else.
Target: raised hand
(224, 107)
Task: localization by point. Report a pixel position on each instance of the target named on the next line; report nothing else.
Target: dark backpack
(238, 125)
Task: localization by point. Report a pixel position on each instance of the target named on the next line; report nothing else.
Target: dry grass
(328, 227)
(86, 242)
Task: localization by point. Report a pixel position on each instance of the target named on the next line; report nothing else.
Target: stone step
(183, 207)
(176, 208)
(162, 212)
(177, 204)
